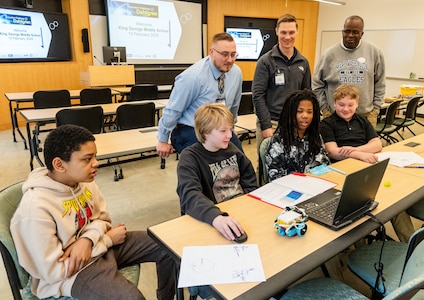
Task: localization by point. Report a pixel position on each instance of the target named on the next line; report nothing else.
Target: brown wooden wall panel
(306, 12)
(23, 77)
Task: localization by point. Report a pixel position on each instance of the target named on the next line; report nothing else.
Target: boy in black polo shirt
(347, 134)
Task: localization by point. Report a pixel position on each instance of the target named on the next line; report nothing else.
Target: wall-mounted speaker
(29, 4)
(85, 40)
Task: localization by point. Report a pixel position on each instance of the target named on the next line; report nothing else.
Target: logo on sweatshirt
(81, 206)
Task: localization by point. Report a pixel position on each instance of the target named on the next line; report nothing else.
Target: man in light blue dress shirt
(197, 85)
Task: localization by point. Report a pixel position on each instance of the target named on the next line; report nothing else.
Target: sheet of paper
(279, 195)
(401, 159)
(291, 190)
(305, 184)
(204, 265)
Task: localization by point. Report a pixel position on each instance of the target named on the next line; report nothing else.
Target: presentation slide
(33, 36)
(253, 36)
(23, 34)
(156, 31)
(249, 42)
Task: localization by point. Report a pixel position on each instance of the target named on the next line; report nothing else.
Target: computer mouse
(241, 238)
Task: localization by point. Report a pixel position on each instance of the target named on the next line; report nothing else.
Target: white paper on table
(204, 265)
(401, 159)
(291, 190)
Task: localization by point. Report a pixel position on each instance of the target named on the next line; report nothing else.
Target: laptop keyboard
(325, 211)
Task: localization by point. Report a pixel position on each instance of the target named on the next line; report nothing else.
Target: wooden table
(26, 97)
(121, 143)
(23, 97)
(163, 91)
(49, 115)
(246, 126)
(285, 259)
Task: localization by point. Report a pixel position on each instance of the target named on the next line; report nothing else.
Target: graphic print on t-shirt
(226, 179)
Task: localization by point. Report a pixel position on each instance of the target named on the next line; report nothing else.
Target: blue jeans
(184, 136)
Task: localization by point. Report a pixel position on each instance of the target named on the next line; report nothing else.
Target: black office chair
(246, 86)
(48, 99)
(246, 105)
(131, 116)
(143, 92)
(246, 108)
(385, 128)
(93, 96)
(88, 117)
(410, 116)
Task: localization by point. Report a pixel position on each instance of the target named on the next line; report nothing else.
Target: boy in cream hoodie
(64, 235)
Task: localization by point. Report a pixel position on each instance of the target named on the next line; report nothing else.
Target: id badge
(279, 77)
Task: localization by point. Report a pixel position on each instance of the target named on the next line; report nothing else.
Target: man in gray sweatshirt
(352, 61)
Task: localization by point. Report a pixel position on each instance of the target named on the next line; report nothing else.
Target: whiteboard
(403, 49)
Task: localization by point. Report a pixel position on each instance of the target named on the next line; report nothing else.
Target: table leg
(33, 150)
(17, 127)
(13, 116)
(31, 146)
(13, 121)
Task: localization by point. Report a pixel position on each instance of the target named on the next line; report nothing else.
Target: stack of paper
(401, 159)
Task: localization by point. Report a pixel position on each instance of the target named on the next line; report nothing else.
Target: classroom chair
(93, 96)
(387, 265)
(417, 210)
(385, 127)
(87, 117)
(263, 170)
(131, 116)
(410, 115)
(403, 273)
(97, 96)
(143, 92)
(19, 279)
(48, 99)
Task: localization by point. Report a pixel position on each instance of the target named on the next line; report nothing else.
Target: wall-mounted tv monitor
(253, 36)
(114, 55)
(156, 32)
(28, 36)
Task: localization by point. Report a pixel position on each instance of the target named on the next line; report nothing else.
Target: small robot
(291, 222)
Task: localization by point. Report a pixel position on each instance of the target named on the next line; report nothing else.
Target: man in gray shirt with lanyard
(279, 72)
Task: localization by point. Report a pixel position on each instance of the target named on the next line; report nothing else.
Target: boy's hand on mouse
(223, 225)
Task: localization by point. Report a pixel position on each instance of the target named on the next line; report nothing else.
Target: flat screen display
(156, 32)
(253, 36)
(33, 36)
(114, 55)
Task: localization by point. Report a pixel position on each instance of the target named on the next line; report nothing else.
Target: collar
(285, 58)
(215, 72)
(347, 49)
(338, 118)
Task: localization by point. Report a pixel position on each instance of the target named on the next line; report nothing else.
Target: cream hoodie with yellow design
(50, 217)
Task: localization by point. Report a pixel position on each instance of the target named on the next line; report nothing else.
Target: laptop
(336, 209)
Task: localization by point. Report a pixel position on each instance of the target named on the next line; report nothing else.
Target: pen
(337, 170)
(415, 167)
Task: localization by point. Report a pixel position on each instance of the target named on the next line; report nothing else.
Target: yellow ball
(387, 183)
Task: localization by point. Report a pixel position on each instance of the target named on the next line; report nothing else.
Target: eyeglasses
(226, 54)
(354, 32)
